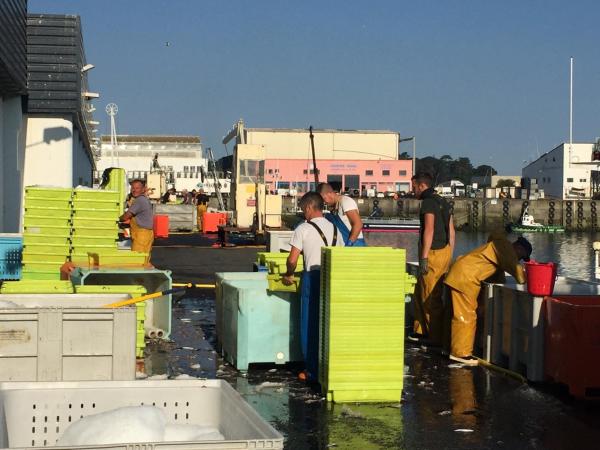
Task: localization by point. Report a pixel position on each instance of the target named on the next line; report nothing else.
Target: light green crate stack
(134, 291)
(46, 232)
(361, 357)
(95, 222)
(117, 181)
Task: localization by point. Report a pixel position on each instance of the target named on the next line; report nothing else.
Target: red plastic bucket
(540, 277)
(161, 226)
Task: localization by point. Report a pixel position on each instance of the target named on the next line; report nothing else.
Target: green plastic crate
(48, 230)
(92, 213)
(46, 239)
(362, 324)
(115, 257)
(43, 221)
(37, 211)
(47, 192)
(97, 204)
(62, 249)
(36, 287)
(96, 195)
(43, 202)
(40, 275)
(84, 232)
(86, 222)
(276, 284)
(31, 257)
(78, 241)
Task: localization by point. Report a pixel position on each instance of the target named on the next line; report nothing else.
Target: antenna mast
(112, 109)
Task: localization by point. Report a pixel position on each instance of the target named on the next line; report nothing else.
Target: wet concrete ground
(442, 407)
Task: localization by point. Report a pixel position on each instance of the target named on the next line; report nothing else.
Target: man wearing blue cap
(464, 280)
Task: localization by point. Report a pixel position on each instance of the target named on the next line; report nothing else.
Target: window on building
(385, 173)
(368, 172)
(548, 179)
(186, 168)
(198, 168)
(178, 174)
(543, 179)
(582, 180)
(403, 173)
(553, 159)
(305, 171)
(270, 171)
(569, 180)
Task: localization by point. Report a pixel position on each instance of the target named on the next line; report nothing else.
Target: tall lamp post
(414, 152)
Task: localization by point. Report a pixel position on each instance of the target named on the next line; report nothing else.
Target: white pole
(571, 113)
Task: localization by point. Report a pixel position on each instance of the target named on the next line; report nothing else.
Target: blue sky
(487, 80)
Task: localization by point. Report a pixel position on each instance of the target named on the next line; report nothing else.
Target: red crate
(161, 226)
(211, 221)
(572, 343)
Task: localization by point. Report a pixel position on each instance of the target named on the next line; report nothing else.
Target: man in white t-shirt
(345, 215)
(308, 238)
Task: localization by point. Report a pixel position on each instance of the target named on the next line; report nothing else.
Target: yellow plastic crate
(117, 257)
(276, 284)
(48, 230)
(36, 287)
(49, 192)
(30, 220)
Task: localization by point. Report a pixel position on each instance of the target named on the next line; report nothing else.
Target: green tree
(504, 182)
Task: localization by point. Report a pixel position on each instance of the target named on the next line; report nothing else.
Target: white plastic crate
(35, 415)
(278, 240)
(66, 337)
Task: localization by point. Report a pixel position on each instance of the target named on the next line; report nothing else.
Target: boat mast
(312, 146)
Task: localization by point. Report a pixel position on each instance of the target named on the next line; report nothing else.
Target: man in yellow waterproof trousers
(464, 279)
(436, 244)
(141, 218)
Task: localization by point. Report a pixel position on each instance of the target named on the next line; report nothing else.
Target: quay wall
(484, 214)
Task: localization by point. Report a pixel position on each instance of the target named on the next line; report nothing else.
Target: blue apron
(345, 232)
(309, 321)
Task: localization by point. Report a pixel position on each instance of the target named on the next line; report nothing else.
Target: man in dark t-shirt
(201, 206)
(436, 244)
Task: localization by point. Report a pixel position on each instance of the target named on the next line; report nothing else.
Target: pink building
(380, 175)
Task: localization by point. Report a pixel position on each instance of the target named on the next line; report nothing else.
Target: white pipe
(154, 333)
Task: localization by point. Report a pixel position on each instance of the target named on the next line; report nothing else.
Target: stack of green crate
(133, 291)
(46, 232)
(361, 357)
(95, 222)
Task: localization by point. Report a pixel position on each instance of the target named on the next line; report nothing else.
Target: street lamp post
(414, 151)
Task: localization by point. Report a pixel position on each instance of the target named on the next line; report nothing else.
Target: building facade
(179, 157)
(351, 160)
(567, 171)
(60, 127)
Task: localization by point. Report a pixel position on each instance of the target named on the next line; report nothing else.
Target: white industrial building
(567, 171)
(180, 157)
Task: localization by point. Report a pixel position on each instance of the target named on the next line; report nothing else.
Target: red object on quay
(161, 226)
(540, 278)
(572, 343)
(211, 221)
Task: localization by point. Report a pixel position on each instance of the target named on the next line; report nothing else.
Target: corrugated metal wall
(54, 61)
(13, 63)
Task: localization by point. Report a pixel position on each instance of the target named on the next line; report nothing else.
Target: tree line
(446, 168)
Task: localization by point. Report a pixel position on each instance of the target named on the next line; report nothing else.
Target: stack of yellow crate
(46, 232)
(361, 357)
(276, 266)
(95, 222)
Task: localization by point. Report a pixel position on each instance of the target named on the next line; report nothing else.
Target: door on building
(351, 183)
(335, 181)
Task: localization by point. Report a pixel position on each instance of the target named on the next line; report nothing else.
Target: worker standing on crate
(141, 218)
(344, 215)
(308, 239)
(464, 279)
(436, 245)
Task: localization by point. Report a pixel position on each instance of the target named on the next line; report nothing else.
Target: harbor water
(571, 251)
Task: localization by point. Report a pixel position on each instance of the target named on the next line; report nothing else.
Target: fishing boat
(528, 224)
(390, 224)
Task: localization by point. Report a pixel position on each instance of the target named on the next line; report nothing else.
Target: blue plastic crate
(11, 251)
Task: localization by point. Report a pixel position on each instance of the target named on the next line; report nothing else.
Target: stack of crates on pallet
(11, 249)
(95, 222)
(133, 291)
(46, 232)
(362, 323)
